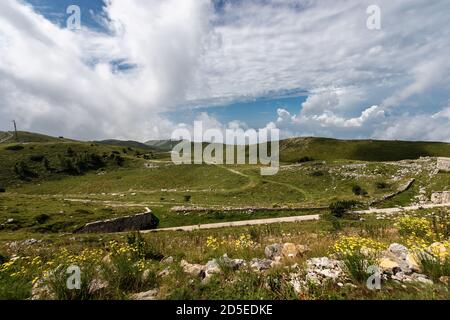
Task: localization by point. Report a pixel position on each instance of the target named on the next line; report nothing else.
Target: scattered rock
(260, 264)
(234, 264)
(444, 280)
(192, 269)
(168, 260)
(412, 263)
(389, 266)
(148, 295)
(287, 251)
(41, 291)
(97, 285)
(164, 273)
(273, 250)
(399, 250)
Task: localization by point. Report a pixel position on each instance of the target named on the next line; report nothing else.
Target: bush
(37, 158)
(42, 218)
(187, 198)
(145, 249)
(2, 190)
(120, 160)
(435, 267)
(339, 208)
(305, 159)
(23, 171)
(381, 185)
(357, 266)
(15, 148)
(317, 174)
(3, 258)
(357, 190)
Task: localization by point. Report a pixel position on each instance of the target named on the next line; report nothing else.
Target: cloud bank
(392, 83)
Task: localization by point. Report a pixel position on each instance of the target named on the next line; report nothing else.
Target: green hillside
(41, 161)
(127, 144)
(293, 150)
(162, 145)
(25, 137)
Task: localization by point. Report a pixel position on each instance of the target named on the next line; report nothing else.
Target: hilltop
(293, 150)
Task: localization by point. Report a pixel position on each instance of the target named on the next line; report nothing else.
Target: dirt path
(240, 223)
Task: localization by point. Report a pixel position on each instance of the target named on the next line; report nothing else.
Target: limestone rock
(97, 285)
(260, 264)
(192, 269)
(412, 263)
(273, 250)
(388, 266)
(168, 260)
(148, 295)
(41, 291)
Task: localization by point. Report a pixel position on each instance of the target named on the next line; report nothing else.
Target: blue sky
(140, 69)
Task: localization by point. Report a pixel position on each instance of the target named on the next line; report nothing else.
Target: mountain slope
(127, 144)
(25, 137)
(292, 150)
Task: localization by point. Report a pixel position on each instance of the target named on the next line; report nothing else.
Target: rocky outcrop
(440, 197)
(443, 164)
(285, 251)
(143, 221)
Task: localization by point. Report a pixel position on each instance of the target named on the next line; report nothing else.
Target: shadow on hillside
(389, 151)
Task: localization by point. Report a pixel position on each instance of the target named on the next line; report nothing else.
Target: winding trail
(255, 222)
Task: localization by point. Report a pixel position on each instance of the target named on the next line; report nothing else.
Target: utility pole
(15, 130)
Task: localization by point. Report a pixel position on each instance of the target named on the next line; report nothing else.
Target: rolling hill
(292, 150)
(25, 137)
(128, 144)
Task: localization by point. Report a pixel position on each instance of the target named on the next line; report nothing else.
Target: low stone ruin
(143, 221)
(440, 197)
(443, 164)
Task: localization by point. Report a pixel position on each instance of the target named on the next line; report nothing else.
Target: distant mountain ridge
(163, 145)
(127, 144)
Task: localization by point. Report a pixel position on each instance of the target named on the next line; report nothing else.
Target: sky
(139, 69)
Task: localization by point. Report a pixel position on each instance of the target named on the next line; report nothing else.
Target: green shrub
(145, 249)
(381, 185)
(339, 208)
(24, 171)
(357, 190)
(3, 258)
(15, 148)
(42, 218)
(356, 265)
(317, 174)
(37, 158)
(305, 159)
(187, 198)
(435, 267)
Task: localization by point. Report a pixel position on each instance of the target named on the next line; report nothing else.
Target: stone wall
(143, 221)
(443, 164)
(441, 197)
